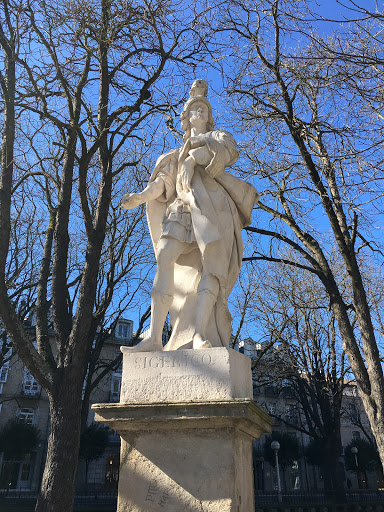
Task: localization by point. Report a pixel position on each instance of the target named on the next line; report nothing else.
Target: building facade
(273, 393)
(22, 398)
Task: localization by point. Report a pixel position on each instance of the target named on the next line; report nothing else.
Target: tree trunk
(333, 478)
(57, 487)
(376, 419)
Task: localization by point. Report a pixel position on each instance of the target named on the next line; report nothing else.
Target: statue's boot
(160, 304)
(198, 342)
(206, 301)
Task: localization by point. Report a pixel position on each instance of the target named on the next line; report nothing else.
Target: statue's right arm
(152, 191)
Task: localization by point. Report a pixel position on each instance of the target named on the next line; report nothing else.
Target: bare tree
(357, 51)
(98, 368)
(317, 154)
(88, 82)
(306, 363)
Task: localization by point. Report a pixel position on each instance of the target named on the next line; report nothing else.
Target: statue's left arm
(223, 147)
(225, 153)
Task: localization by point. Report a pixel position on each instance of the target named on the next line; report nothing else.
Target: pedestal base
(180, 455)
(186, 457)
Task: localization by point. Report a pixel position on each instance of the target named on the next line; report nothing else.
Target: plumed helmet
(199, 88)
(198, 92)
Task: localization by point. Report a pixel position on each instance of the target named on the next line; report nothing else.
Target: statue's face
(198, 114)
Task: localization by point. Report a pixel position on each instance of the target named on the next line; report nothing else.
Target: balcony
(34, 392)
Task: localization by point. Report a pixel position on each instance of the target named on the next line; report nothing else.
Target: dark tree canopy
(367, 457)
(18, 438)
(289, 449)
(93, 441)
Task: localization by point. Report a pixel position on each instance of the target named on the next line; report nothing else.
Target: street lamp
(275, 445)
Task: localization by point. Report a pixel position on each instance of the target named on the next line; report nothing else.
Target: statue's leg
(207, 293)
(168, 250)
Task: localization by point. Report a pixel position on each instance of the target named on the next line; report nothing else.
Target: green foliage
(367, 457)
(17, 439)
(289, 449)
(93, 442)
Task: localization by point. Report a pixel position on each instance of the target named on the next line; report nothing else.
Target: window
(123, 330)
(27, 415)
(30, 385)
(7, 341)
(4, 372)
(112, 465)
(270, 389)
(271, 407)
(26, 468)
(355, 434)
(256, 386)
(353, 412)
(115, 387)
(290, 412)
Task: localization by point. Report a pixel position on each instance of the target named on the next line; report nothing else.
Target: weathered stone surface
(243, 414)
(187, 422)
(186, 457)
(170, 487)
(185, 375)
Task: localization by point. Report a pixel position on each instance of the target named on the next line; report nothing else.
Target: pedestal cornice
(240, 413)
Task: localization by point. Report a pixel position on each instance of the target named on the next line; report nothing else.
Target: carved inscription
(183, 361)
(152, 491)
(163, 499)
(154, 494)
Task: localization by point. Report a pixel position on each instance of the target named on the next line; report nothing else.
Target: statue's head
(198, 92)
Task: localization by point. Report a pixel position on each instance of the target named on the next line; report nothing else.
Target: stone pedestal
(187, 422)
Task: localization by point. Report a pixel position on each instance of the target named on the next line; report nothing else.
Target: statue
(195, 212)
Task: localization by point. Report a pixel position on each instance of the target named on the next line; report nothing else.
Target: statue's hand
(184, 152)
(192, 143)
(197, 142)
(130, 201)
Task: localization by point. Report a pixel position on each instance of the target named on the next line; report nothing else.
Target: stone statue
(195, 212)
